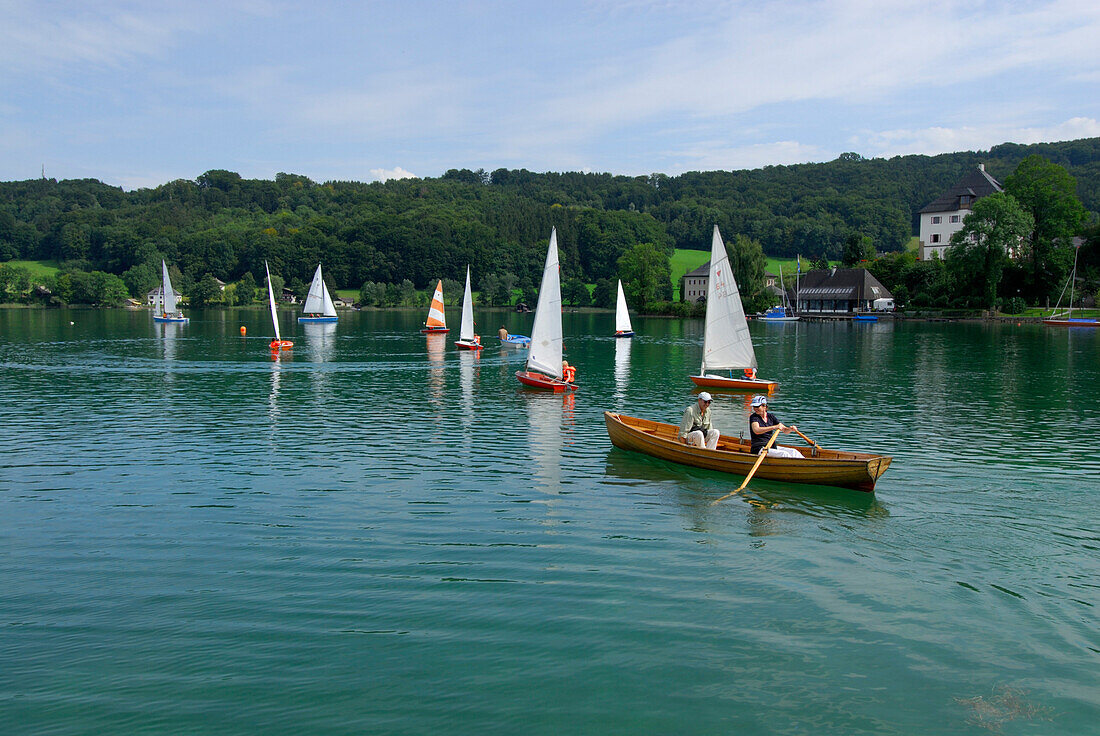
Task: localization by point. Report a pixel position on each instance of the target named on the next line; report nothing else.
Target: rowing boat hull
(855, 470)
(722, 383)
(543, 382)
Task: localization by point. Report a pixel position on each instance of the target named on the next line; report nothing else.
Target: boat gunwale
(856, 470)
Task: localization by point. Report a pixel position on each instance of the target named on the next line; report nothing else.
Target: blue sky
(140, 93)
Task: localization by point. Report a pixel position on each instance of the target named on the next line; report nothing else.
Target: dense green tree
(748, 262)
(406, 293)
(857, 249)
(97, 288)
(276, 286)
(372, 294)
(574, 292)
(979, 251)
(605, 293)
(15, 282)
(646, 274)
(142, 278)
(453, 291)
(490, 289)
(204, 291)
(1049, 194)
(246, 289)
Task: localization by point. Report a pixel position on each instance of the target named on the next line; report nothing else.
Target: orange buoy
(242, 329)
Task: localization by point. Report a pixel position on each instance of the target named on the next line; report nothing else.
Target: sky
(137, 94)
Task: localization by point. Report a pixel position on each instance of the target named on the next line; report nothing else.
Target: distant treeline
(498, 222)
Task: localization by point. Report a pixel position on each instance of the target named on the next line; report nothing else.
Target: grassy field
(38, 269)
(683, 261)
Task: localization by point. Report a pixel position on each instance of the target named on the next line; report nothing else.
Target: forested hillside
(422, 229)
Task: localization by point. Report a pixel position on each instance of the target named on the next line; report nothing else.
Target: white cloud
(935, 140)
(710, 156)
(760, 56)
(394, 173)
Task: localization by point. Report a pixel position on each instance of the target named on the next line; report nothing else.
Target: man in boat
(762, 424)
(695, 428)
(502, 333)
(749, 374)
(568, 372)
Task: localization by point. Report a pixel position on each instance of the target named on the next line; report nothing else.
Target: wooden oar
(812, 444)
(760, 459)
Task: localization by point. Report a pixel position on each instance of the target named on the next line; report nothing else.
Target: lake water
(378, 534)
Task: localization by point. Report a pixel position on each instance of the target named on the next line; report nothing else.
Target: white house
(944, 217)
(693, 284)
(153, 297)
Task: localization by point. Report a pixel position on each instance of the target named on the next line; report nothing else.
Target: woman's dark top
(759, 440)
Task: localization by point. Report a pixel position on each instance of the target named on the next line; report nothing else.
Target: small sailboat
(622, 316)
(727, 345)
(780, 312)
(166, 308)
(1066, 319)
(437, 320)
(318, 306)
(544, 368)
(278, 343)
(467, 340)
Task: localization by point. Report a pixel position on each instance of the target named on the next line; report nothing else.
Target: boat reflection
(320, 340)
(694, 489)
(273, 394)
(468, 362)
(437, 349)
(544, 434)
(622, 369)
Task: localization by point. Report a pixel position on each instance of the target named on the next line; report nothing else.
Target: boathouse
(839, 291)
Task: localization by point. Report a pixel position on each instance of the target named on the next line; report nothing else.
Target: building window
(955, 218)
(936, 220)
(934, 238)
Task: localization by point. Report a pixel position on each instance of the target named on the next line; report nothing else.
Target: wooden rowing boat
(856, 470)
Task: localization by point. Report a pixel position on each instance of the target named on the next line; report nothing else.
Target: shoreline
(929, 316)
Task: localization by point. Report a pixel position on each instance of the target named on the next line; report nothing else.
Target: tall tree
(1049, 194)
(996, 225)
(646, 272)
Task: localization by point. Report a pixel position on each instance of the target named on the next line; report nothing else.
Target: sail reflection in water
(321, 340)
(544, 413)
(622, 368)
(467, 366)
(273, 395)
(437, 347)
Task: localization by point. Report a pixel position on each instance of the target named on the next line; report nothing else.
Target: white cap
(704, 396)
(758, 400)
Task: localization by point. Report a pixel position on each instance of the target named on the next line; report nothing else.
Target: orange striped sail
(436, 318)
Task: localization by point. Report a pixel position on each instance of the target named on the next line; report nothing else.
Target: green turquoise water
(379, 534)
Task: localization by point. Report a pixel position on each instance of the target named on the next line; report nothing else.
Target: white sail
(168, 296)
(466, 331)
(545, 356)
(726, 341)
(622, 316)
(271, 301)
(318, 300)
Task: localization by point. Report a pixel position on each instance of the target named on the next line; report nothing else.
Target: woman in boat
(762, 424)
(695, 427)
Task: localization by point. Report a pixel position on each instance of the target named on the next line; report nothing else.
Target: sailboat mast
(1072, 279)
